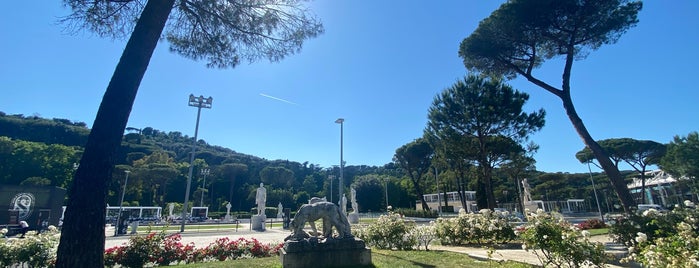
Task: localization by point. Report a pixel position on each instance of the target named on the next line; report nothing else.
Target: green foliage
(480, 120)
(389, 232)
(652, 223)
(486, 227)
(512, 41)
(35, 250)
(661, 239)
(682, 159)
(159, 249)
(21, 160)
(36, 129)
(415, 159)
(369, 197)
(557, 243)
(409, 212)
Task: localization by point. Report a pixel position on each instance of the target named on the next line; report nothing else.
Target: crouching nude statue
(331, 215)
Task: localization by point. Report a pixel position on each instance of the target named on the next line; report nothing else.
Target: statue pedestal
(311, 252)
(353, 218)
(257, 222)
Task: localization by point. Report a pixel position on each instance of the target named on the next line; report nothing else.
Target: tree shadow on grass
(392, 259)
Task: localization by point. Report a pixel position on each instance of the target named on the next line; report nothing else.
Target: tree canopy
(522, 34)
(415, 158)
(682, 159)
(639, 154)
(482, 118)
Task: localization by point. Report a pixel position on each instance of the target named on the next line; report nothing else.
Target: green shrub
(407, 212)
(661, 239)
(156, 249)
(592, 224)
(652, 223)
(389, 232)
(557, 243)
(486, 227)
(35, 250)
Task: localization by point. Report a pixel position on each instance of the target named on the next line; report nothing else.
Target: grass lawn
(383, 258)
(601, 231)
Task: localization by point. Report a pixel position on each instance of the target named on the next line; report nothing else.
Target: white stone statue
(228, 212)
(261, 199)
(527, 191)
(331, 215)
(353, 199)
(280, 211)
(171, 207)
(343, 204)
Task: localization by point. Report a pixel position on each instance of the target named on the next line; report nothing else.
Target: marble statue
(332, 217)
(261, 199)
(280, 211)
(353, 199)
(343, 204)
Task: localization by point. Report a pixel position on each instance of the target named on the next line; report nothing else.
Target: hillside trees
(370, 193)
(232, 175)
(481, 119)
(21, 160)
(639, 154)
(521, 35)
(220, 32)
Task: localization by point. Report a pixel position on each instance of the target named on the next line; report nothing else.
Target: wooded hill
(39, 151)
(43, 152)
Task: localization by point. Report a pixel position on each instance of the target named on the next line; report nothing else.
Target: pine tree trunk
(602, 157)
(83, 231)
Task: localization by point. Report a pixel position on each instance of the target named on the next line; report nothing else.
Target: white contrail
(279, 99)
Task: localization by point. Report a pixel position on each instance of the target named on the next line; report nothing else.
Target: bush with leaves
(661, 239)
(651, 222)
(424, 234)
(592, 224)
(407, 212)
(557, 243)
(35, 250)
(389, 232)
(156, 249)
(485, 227)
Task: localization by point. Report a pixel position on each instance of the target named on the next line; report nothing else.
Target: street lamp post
(121, 203)
(594, 189)
(204, 172)
(342, 162)
(199, 102)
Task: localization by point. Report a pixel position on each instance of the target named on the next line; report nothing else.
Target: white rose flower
(641, 237)
(586, 233)
(688, 203)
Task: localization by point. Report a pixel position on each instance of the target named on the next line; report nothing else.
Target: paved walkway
(202, 238)
(520, 255)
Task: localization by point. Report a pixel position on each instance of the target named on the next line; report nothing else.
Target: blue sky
(379, 64)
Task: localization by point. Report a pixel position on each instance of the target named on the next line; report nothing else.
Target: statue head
(262, 184)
